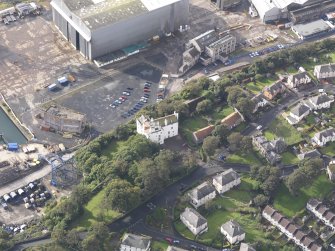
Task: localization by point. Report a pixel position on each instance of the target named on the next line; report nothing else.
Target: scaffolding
(63, 171)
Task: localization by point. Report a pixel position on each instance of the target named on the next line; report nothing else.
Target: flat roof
(311, 28)
(98, 13)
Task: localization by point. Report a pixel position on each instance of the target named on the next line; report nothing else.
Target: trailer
(63, 81)
(52, 87)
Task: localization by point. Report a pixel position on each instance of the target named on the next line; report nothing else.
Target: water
(9, 130)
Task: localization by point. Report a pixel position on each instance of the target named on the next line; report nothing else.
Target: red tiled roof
(202, 133)
(232, 119)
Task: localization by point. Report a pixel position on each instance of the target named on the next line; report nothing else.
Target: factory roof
(311, 28)
(98, 13)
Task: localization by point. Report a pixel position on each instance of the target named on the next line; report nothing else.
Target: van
(259, 127)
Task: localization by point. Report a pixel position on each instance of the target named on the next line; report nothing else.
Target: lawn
(222, 112)
(113, 147)
(94, 210)
(227, 208)
(259, 85)
(244, 158)
(190, 125)
(291, 205)
(329, 149)
(289, 158)
(279, 128)
(159, 246)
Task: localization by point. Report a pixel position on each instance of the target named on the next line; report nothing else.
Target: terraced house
(322, 212)
(291, 230)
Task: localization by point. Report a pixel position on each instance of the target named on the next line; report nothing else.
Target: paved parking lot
(96, 100)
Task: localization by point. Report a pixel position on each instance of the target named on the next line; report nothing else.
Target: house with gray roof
(259, 101)
(311, 154)
(322, 101)
(324, 71)
(233, 232)
(290, 229)
(135, 242)
(297, 113)
(325, 136)
(246, 247)
(201, 194)
(194, 221)
(298, 79)
(322, 212)
(226, 180)
(269, 149)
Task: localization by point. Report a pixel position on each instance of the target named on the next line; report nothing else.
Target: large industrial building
(98, 27)
(296, 11)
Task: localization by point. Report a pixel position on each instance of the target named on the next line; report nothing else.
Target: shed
(13, 146)
(6, 197)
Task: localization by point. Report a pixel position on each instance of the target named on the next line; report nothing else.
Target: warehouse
(97, 27)
(295, 11)
(310, 30)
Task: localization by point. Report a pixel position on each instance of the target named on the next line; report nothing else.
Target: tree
(234, 140)
(312, 167)
(164, 160)
(246, 144)
(260, 200)
(220, 131)
(204, 106)
(295, 181)
(245, 106)
(91, 243)
(210, 144)
(121, 195)
(234, 94)
(189, 160)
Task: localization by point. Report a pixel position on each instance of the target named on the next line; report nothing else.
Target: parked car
(126, 93)
(146, 90)
(169, 240)
(130, 89)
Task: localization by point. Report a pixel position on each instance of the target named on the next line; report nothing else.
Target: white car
(126, 93)
(259, 127)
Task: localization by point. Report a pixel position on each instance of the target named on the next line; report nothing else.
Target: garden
(280, 128)
(291, 205)
(232, 205)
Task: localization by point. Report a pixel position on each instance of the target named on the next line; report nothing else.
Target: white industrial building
(97, 27)
(158, 130)
(296, 11)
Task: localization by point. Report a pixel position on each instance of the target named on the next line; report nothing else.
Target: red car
(146, 90)
(169, 240)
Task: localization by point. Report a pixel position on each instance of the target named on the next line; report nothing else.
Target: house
(246, 247)
(158, 130)
(269, 149)
(272, 91)
(201, 194)
(194, 221)
(226, 180)
(331, 170)
(190, 58)
(311, 154)
(295, 80)
(322, 212)
(201, 134)
(260, 102)
(233, 232)
(172, 248)
(325, 136)
(133, 242)
(233, 120)
(292, 231)
(324, 71)
(297, 113)
(322, 101)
